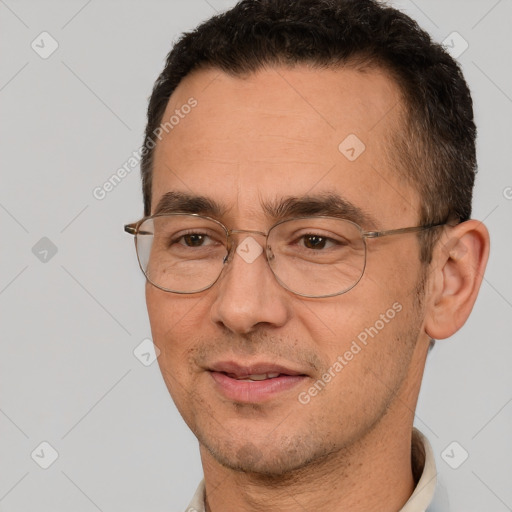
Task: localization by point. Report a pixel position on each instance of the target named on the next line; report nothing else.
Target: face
(342, 360)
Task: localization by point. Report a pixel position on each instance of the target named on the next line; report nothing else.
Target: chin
(278, 459)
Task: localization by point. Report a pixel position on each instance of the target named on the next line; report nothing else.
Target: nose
(247, 295)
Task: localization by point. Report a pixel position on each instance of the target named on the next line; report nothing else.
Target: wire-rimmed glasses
(313, 257)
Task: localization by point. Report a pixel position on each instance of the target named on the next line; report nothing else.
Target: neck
(373, 474)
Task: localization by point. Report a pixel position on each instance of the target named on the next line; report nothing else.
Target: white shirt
(421, 500)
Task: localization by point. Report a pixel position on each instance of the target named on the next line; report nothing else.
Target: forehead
(283, 132)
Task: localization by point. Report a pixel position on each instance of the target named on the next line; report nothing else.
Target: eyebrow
(329, 204)
(174, 202)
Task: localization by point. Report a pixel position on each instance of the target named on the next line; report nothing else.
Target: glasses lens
(317, 257)
(181, 253)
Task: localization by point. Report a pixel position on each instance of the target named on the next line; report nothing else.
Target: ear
(457, 269)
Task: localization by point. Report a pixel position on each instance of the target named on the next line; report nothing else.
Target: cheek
(367, 348)
(158, 311)
(170, 314)
(374, 327)
(392, 274)
(174, 325)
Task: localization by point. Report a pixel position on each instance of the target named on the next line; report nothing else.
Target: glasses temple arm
(378, 234)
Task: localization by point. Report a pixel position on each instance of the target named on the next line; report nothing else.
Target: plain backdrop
(72, 297)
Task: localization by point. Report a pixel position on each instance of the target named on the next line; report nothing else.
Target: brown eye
(314, 241)
(194, 240)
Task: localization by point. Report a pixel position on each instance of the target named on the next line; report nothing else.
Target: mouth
(255, 377)
(254, 383)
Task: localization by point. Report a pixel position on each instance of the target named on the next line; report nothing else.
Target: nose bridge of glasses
(231, 246)
(232, 232)
(254, 232)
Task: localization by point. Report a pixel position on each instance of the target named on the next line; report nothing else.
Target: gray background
(71, 320)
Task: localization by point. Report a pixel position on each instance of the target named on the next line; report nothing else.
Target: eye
(194, 239)
(316, 242)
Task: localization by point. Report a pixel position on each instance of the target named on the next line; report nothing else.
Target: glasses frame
(134, 229)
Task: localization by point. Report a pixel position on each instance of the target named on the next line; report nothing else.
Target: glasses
(310, 256)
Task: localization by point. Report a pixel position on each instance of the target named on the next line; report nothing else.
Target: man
(307, 176)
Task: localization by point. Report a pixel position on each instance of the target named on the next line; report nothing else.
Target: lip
(241, 371)
(226, 375)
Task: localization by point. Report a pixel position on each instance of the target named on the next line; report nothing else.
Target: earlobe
(458, 266)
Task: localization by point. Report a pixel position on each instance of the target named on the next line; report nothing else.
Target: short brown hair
(436, 148)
